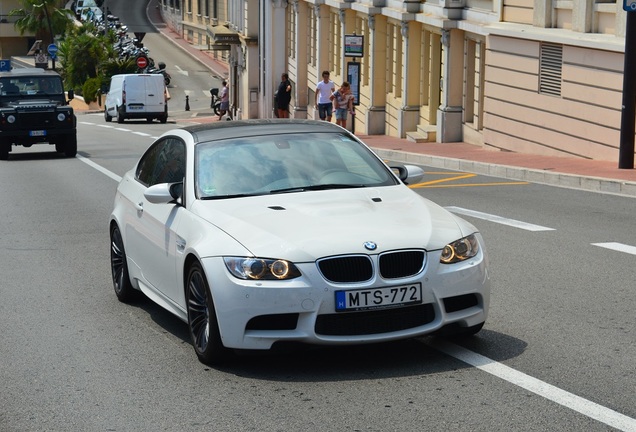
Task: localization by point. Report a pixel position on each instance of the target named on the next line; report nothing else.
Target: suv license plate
(37, 133)
(354, 300)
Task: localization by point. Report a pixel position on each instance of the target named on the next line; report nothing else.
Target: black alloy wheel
(119, 268)
(202, 322)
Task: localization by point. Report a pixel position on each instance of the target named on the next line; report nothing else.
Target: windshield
(285, 163)
(23, 86)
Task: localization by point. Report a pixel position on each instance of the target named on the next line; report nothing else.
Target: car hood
(304, 226)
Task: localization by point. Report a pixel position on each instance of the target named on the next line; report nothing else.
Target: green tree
(43, 18)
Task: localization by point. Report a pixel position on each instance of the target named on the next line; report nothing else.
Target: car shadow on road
(300, 363)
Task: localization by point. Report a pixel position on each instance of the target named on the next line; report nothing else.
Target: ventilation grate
(551, 66)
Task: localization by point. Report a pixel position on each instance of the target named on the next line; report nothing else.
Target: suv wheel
(4, 151)
(70, 148)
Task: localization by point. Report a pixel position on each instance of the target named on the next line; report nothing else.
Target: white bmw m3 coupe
(259, 232)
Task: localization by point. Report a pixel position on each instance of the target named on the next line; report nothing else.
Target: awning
(222, 35)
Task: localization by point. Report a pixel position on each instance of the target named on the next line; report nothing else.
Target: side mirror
(164, 193)
(409, 174)
(71, 94)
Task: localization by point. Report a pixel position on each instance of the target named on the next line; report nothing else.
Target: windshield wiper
(317, 187)
(216, 197)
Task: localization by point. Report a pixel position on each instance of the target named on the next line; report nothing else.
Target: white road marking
(620, 247)
(99, 168)
(181, 71)
(543, 389)
(498, 219)
(142, 134)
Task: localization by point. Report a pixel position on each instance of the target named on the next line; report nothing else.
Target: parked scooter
(215, 101)
(161, 70)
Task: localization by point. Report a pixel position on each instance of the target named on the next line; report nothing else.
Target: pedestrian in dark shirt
(283, 96)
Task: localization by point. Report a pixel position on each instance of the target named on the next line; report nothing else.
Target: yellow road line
(430, 186)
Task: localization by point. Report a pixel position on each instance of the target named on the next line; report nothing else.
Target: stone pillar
(449, 115)
(376, 113)
(299, 98)
(411, 62)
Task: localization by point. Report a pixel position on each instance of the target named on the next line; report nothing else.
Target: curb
(571, 181)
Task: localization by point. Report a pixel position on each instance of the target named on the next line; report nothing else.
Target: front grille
(39, 120)
(457, 303)
(401, 264)
(353, 268)
(374, 322)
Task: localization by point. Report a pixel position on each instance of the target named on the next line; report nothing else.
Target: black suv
(34, 110)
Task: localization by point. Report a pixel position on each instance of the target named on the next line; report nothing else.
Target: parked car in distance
(136, 96)
(259, 232)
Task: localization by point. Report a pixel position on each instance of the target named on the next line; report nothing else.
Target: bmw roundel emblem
(370, 246)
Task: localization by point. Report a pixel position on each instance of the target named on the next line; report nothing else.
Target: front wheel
(217, 108)
(107, 117)
(4, 151)
(119, 268)
(202, 321)
(70, 147)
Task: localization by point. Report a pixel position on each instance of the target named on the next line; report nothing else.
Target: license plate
(132, 107)
(37, 133)
(353, 300)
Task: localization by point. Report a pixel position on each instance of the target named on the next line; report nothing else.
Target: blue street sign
(52, 49)
(5, 65)
(629, 5)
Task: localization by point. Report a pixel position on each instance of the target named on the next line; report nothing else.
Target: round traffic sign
(52, 49)
(142, 62)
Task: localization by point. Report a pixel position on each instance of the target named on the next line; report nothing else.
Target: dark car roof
(25, 72)
(245, 128)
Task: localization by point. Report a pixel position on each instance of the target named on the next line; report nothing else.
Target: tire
(107, 117)
(217, 108)
(167, 81)
(120, 115)
(59, 147)
(202, 323)
(4, 151)
(455, 331)
(70, 147)
(119, 268)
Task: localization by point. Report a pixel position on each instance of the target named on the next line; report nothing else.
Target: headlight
(460, 250)
(251, 268)
(61, 117)
(11, 118)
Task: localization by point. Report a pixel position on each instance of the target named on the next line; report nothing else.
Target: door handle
(140, 207)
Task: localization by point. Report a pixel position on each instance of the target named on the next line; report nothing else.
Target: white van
(136, 96)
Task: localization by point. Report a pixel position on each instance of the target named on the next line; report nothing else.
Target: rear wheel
(120, 115)
(119, 268)
(202, 321)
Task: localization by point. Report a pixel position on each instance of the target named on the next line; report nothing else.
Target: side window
(164, 162)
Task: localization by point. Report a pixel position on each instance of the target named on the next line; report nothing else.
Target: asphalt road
(556, 353)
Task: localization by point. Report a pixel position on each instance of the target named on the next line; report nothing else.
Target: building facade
(535, 76)
(12, 43)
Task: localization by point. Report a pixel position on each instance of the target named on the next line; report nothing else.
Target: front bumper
(257, 314)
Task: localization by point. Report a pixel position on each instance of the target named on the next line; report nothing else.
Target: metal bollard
(187, 108)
